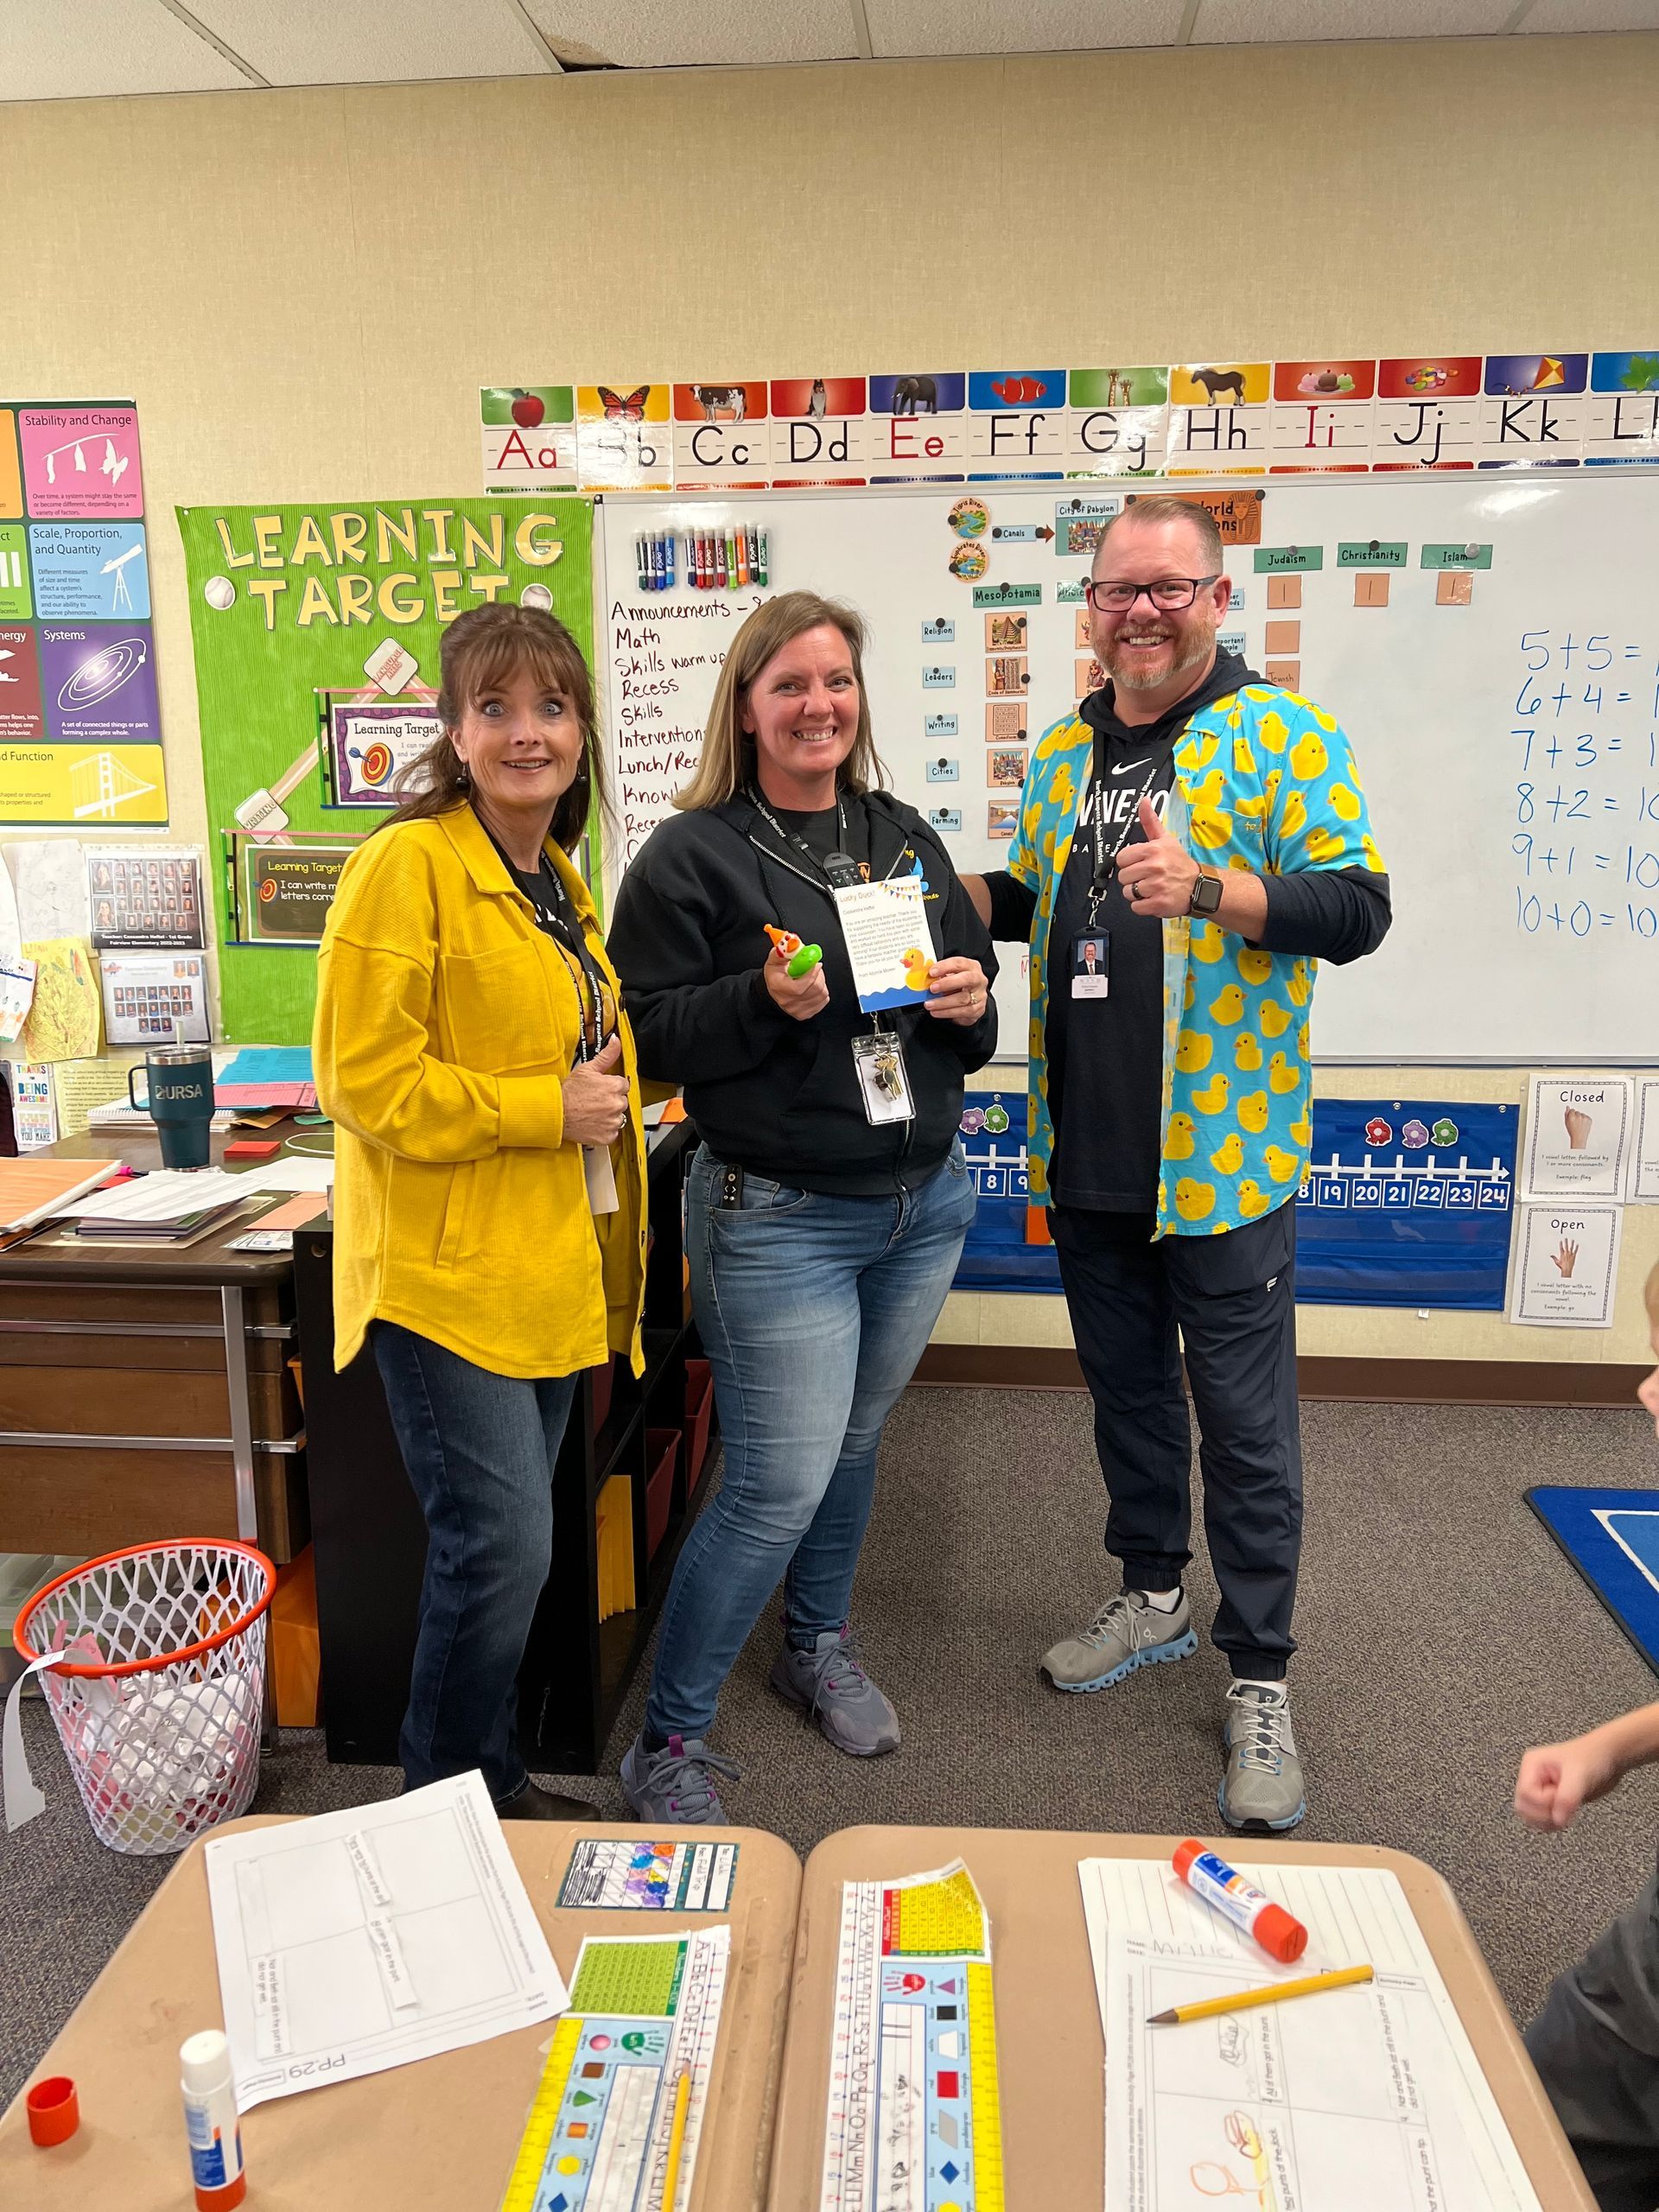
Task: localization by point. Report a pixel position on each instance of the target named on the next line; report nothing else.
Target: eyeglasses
(1169, 593)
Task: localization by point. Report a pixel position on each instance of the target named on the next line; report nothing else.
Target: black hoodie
(775, 1096)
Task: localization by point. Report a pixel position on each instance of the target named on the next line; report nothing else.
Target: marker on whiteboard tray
(764, 563)
(742, 553)
(705, 560)
(753, 537)
(668, 559)
(731, 557)
(657, 563)
(642, 563)
(719, 557)
(1209, 1876)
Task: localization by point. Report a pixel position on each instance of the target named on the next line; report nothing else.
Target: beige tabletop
(441, 2133)
(1049, 2053)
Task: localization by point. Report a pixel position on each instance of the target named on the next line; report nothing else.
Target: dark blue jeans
(814, 1312)
(479, 1450)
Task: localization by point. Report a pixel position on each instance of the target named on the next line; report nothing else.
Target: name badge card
(887, 941)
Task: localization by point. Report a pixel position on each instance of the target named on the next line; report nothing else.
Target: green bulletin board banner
(316, 632)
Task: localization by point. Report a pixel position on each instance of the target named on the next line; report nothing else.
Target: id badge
(1091, 964)
(601, 1178)
(879, 1061)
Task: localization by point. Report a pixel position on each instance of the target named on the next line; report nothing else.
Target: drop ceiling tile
(1592, 16)
(374, 41)
(906, 27)
(1226, 23)
(671, 34)
(50, 51)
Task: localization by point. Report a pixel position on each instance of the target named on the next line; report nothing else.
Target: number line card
(914, 2113)
(646, 2011)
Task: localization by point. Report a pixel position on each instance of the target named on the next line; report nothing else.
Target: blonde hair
(1650, 1295)
(727, 764)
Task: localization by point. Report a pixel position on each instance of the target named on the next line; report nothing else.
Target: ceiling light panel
(671, 33)
(939, 27)
(374, 41)
(1227, 23)
(52, 52)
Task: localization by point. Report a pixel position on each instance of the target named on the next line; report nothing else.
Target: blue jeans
(814, 1312)
(479, 1450)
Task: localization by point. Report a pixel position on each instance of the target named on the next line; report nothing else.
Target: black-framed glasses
(1169, 593)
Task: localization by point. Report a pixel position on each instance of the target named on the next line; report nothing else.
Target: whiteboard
(1507, 728)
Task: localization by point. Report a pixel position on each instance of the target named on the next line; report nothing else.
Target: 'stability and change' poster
(80, 725)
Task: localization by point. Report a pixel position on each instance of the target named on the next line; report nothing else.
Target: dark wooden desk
(148, 1394)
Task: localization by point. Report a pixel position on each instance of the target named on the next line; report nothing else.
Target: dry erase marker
(754, 554)
(742, 553)
(731, 557)
(1209, 1876)
(668, 558)
(642, 563)
(720, 558)
(705, 560)
(764, 563)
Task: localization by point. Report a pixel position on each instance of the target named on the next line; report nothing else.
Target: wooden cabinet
(370, 1536)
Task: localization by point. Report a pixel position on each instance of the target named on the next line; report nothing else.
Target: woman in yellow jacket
(489, 1233)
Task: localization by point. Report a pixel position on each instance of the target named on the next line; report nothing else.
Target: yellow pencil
(1274, 1993)
(676, 2140)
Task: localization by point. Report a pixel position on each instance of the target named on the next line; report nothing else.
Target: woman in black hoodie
(827, 1205)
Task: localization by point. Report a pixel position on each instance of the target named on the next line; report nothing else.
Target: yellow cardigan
(446, 1023)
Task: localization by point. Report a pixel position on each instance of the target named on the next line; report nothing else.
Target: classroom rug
(1612, 1537)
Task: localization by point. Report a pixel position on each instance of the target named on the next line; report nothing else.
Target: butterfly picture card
(624, 436)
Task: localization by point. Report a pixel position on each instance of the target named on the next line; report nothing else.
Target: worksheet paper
(361, 1940)
(1361, 2099)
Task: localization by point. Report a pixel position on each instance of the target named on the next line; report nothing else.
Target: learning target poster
(80, 731)
(316, 631)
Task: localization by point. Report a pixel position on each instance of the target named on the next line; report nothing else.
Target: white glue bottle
(210, 2123)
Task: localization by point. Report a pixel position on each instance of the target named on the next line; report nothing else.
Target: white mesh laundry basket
(159, 1692)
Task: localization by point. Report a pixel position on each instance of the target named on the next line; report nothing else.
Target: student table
(1048, 2024)
(442, 2134)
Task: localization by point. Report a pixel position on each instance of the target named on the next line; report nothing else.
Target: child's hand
(1556, 1780)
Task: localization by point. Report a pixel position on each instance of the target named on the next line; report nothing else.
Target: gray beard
(1193, 658)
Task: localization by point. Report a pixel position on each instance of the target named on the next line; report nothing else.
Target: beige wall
(303, 290)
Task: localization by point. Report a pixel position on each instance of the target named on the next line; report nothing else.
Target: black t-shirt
(1105, 1055)
(844, 828)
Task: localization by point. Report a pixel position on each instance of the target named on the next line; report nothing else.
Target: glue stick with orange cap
(1207, 1874)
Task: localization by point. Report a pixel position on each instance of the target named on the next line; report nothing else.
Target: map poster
(80, 722)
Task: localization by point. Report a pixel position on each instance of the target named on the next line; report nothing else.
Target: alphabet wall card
(1578, 1132)
(529, 433)
(1566, 1266)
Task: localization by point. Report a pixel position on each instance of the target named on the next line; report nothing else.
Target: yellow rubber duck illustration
(918, 965)
(1177, 1143)
(1247, 1053)
(1283, 1167)
(1252, 1199)
(1212, 1099)
(1281, 1075)
(1308, 757)
(1229, 1157)
(1255, 967)
(1192, 1051)
(1274, 731)
(1193, 1201)
(1344, 804)
(1228, 1004)
(1206, 942)
(1276, 1019)
(1253, 1112)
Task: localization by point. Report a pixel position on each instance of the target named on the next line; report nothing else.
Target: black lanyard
(846, 870)
(1100, 874)
(558, 921)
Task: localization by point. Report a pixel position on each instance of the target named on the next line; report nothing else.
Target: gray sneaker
(1262, 1786)
(1126, 1633)
(830, 1683)
(676, 1783)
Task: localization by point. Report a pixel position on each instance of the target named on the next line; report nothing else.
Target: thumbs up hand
(596, 1098)
(1156, 871)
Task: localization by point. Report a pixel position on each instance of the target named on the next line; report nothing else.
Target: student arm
(1556, 1781)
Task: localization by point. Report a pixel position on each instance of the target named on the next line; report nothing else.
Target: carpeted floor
(1442, 1633)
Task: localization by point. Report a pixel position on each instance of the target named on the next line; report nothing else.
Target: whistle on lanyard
(798, 959)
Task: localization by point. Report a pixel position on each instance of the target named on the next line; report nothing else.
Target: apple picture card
(1577, 1133)
(1566, 1266)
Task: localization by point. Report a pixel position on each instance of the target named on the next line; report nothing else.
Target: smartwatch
(1206, 891)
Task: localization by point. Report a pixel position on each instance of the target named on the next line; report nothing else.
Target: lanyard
(1100, 873)
(557, 920)
(840, 862)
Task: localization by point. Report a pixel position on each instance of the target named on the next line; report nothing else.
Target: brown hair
(727, 765)
(481, 649)
(1168, 507)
